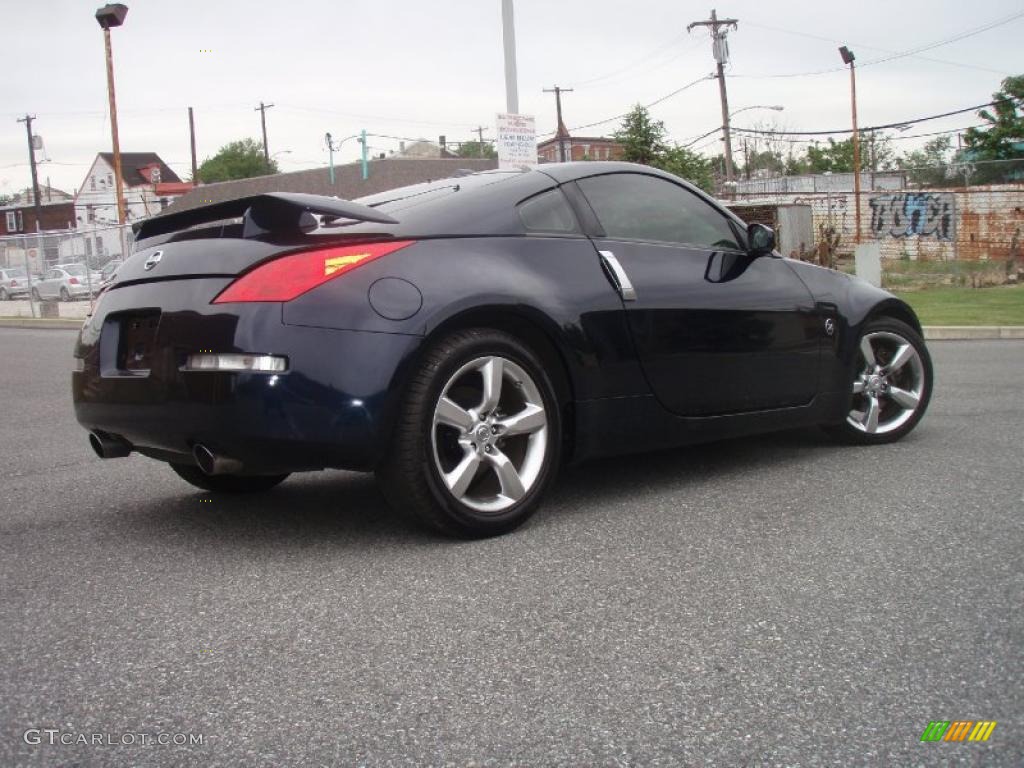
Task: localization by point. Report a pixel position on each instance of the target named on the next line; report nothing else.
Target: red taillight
(73, 280)
(285, 278)
(13, 282)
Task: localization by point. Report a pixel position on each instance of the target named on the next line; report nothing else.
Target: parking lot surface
(770, 601)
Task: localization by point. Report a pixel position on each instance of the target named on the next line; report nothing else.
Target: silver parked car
(13, 283)
(67, 282)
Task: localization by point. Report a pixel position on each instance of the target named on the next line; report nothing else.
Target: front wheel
(226, 483)
(64, 295)
(478, 438)
(891, 385)
(4, 296)
(35, 295)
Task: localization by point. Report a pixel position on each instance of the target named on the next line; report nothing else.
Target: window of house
(110, 179)
(12, 221)
(99, 245)
(633, 206)
(90, 214)
(92, 183)
(88, 247)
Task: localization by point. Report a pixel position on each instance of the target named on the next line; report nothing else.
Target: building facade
(149, 187)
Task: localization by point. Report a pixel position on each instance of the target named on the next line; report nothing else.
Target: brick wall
(53, 216)
(972, 223)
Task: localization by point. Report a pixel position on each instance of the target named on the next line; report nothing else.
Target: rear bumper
(332, 408)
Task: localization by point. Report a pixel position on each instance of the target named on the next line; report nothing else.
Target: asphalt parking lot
(774, 601)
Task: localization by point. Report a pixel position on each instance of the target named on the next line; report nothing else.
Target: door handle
(625, 287)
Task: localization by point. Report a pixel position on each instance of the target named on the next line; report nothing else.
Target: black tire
(226, 483)
(410, 476)
(35, 295)
(64, 295)
(900, 421)
(4, 296)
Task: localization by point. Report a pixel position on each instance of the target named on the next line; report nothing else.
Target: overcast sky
(420, 69)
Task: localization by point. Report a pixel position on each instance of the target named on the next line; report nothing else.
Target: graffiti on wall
(914, 214)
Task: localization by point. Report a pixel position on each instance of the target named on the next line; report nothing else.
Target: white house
(149, 187)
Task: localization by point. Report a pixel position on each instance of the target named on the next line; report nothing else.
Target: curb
(931, 332)
(972, 332)
(54, 323)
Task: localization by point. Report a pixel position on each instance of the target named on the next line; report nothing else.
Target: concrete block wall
(976, 223)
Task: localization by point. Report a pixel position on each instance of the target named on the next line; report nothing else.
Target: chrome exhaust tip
(212, 464)
(109, 446)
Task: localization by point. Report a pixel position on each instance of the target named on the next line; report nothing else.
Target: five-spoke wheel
(479, 436)
(891, 384)
(489, 434)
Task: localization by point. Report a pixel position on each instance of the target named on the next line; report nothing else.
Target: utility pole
(508, 34)
(192, 139)
(362, 140)
(562, 132)
(479, 131)
(27, 120)
(746, 159)
(720, 49)
(330, 155)
(262, 109)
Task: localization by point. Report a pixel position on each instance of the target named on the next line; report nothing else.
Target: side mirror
(761, 239)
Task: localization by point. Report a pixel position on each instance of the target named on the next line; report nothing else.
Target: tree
(687, 165)
(1003, 139)
(836, 156)
(5, 199)
(1004, 136)
(237, 160)
(642, 139)
(476, 149)
(928, 166)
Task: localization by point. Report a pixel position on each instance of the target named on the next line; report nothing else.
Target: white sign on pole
(517, 141)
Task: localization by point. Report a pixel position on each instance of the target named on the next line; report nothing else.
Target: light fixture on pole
(848, 58)
(110, 16)
(773, 107)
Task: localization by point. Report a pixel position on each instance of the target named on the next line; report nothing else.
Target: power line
(878, 127)
(657, 101)
(901, 54)
(871, 47)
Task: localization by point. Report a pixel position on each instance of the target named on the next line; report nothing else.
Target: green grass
(968, 306)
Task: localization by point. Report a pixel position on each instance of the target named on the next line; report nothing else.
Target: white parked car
(66, 282)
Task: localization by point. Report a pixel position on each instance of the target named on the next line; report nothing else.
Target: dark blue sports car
(464, 338)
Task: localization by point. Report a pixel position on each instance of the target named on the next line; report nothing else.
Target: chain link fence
(39, 254)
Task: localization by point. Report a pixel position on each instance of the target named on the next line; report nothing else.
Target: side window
(632, 206)
(548, 212)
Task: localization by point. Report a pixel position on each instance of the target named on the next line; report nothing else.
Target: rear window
(74, 269)
(548, 212)
(15, 272)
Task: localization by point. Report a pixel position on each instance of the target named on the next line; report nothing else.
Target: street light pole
(508, 34)
(848, 58)
(110, 16)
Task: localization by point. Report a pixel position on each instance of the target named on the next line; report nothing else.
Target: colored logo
(958, 730)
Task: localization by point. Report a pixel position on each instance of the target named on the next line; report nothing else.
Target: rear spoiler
(277, 212)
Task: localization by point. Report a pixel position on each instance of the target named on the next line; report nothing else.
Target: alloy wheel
(889, 386)
(489, 434)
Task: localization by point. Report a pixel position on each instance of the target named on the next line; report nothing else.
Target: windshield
(16, 272)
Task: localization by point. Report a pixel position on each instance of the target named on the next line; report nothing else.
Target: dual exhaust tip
(114, 447)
